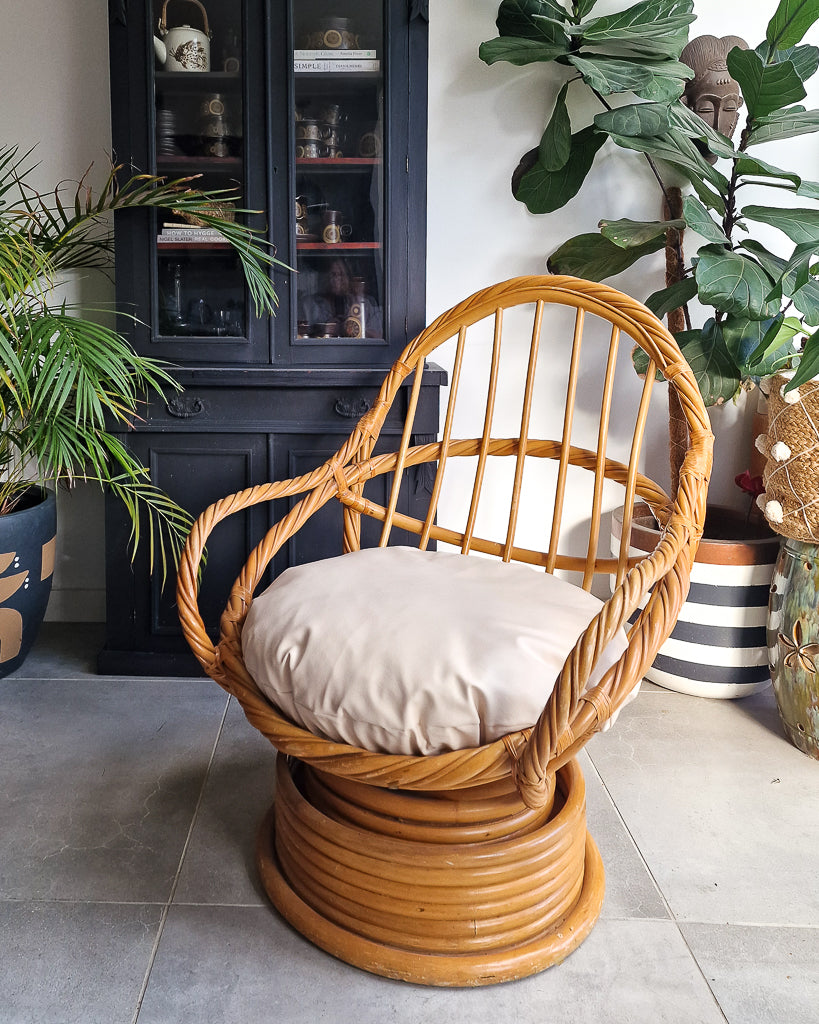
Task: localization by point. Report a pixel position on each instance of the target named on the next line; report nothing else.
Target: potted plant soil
(65, 377)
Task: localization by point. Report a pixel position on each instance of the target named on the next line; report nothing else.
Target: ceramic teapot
(183, 48)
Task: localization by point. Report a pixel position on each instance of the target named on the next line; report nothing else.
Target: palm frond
(66, 379)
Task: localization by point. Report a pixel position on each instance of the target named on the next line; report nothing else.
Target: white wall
(54, 67)
(55, 96)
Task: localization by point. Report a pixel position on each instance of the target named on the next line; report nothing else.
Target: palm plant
(65, 378)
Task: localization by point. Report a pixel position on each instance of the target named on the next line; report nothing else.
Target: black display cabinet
(315, 110)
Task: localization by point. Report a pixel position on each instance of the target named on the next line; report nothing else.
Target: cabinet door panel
(195, 470)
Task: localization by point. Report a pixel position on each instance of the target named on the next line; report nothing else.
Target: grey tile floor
(128, 809)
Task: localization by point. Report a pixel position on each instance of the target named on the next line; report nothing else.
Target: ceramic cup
(309, 129)
(310, 149)
(333, 230)
(333, 136)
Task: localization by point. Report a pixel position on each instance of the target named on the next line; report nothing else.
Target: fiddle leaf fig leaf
(783, 329)
(685, 120)
(582, 8)
(640, 360)
(637, 120)
(808, 363)
(804, 58)
(765, 88)
(790, 22)
(596, 257)
(708, 197)
(680, 151)
(714, 369)
(667, 81)
(608, 75)
(799, 225)
(758, 347)
(733, 283)
(797, 271)
(653, 27)
(806, 298)
(544, 191)
(529, 19)
(699, 219)
(808, 189)
(784, 125)
(753, 167)
(629, 233)
(672, 297)
(519, 51)
(556, 141)
(654, 80)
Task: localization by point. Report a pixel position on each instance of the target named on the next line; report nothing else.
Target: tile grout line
(672, 916)
(163, 917)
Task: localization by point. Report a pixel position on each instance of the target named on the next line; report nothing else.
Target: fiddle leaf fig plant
(760, 300)
(66, 379)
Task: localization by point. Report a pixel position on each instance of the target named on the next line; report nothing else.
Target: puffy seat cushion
(415, 652)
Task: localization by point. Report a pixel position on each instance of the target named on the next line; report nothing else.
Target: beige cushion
(415, 652)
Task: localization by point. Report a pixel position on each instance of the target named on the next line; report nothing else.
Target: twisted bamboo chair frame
(359, 840)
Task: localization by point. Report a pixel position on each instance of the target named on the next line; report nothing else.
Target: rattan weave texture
(364, 803)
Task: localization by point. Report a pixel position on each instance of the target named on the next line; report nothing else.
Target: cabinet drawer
(271, 410)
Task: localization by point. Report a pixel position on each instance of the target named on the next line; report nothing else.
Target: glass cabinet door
(339, 144)
(199, 96)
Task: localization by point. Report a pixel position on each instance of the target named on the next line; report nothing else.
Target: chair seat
(404, 651)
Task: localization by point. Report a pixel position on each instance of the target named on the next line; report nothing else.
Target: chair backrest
(543, 428)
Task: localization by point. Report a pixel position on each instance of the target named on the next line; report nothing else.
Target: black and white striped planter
(718, 646)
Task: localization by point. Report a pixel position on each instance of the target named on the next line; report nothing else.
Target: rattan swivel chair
(467, 863)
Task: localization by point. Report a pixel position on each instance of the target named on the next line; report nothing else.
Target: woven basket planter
(718, 646)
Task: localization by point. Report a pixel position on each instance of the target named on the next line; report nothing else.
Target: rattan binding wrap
(527, 760)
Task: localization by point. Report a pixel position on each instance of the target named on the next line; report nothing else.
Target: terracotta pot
(718, 646)
(27, 542)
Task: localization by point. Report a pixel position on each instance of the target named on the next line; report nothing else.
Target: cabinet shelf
(336, 76)
(173, 246)
(336, 246)
(199, 163)
(341, 163)
(197, 81)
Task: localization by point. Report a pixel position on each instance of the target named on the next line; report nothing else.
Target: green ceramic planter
(793, 642)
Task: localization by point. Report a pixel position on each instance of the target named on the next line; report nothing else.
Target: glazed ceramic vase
(793, 642)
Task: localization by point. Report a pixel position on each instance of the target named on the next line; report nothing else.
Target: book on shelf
(336, 65)
(180, 233)
(335, 54)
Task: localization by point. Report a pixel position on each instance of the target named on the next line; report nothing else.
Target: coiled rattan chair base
(462, 888)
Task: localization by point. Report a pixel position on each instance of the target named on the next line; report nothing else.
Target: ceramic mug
(334, 137)
(310, 149)
(309, 129)
(332, 228)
